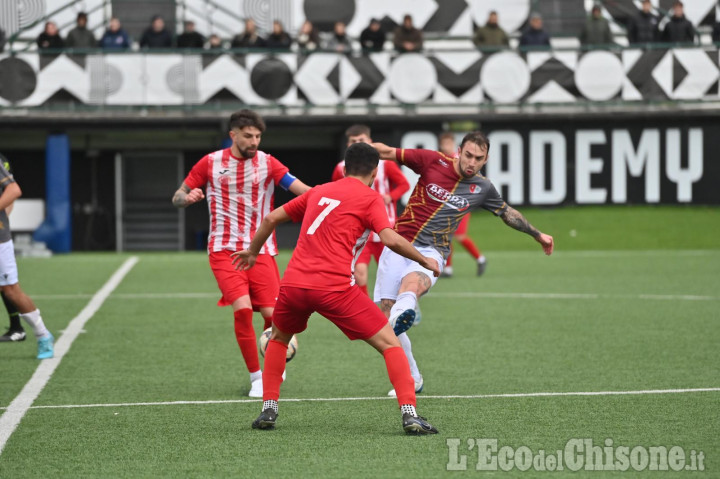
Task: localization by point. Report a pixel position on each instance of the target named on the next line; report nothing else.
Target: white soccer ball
(265, 337)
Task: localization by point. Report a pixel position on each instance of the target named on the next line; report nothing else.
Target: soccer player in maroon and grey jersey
(239, 183)
(447, 190)
(336, 217)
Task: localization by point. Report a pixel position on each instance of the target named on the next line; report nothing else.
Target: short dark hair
(361, 159)
(477, 137)
(241, 119)
(81, 15)
(356, 130)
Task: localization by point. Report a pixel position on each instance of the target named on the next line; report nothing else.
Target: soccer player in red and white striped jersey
(390, 183)
(336, 217)
(239, 184)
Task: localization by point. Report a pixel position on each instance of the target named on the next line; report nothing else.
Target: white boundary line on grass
(19, 406)
(422, 396)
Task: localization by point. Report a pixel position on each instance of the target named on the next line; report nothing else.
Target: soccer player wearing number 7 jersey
(239, 182)
(337, 219)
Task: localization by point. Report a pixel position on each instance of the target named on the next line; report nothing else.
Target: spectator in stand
(115, 37)
(535, 36)
(50, 38)
(215, 42)
(2, 39)
(249, 38)
(189, 38)
(339, 41)
(408, 38)
(491, 35)
(80, 36)
(279, 39)
(308, 38)
(715, 34)
(156, 35)
(678, 29)
(372, 38)
(643, 28)
(596, 30)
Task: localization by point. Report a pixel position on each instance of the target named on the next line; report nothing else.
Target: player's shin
(274, 368)
(245, 335)
(402, 381)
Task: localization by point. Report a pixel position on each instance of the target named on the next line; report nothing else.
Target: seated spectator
(156, 35)
(308, 38)
(249, 38)
(372, 38)
(189, 38)
(407, 37)
(115, 36)
(678, 29)
(643, 28)
(339, 41)
(279, 39)
(491, 35)
(535, 36)
(50, 38)
(596, 30)
(715, 34)
(80, 36)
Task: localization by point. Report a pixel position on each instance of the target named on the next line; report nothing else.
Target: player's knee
(281, 336)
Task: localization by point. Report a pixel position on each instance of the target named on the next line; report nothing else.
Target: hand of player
(432, 265)
(547, 243)
(243, 260)
(194, 196)
(387, 198)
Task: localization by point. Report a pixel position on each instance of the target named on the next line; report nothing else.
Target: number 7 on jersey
(331, 205)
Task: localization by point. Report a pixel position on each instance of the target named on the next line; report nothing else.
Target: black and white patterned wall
(442, 78)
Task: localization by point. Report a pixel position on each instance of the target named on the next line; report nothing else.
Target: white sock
(270, 403)
(405, 301)
(405, 343)
(256, 375)
(35, 321)
(447, 270)
(481, 259)
(408, 409)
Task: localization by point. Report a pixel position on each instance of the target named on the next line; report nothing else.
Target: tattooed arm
(514, 219)
(184, 196)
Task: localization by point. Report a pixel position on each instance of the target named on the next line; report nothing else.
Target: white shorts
(8, 266)
(392, 268)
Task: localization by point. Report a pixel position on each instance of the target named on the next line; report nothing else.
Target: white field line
(454, 294)
(378, 398)
(19, 406)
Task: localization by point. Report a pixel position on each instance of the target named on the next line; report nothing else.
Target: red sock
(448, 262)
(274, 367)
(399, 372)
(245, 335)
(470, 247)
(363, 288)
(268, 322)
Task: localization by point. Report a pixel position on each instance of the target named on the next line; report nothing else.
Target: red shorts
(351, 310)
(463, 226)
(372, 248)
(261, 282)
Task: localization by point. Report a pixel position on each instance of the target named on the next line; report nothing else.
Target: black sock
(13, 313)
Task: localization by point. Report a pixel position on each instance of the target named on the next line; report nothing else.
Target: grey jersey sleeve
(493, 202)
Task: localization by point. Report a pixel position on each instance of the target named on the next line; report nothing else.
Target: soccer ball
(265, 337)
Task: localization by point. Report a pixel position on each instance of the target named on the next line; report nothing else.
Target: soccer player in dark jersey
(448, 189)
(9, 285)
(337, 219)
(15, 332)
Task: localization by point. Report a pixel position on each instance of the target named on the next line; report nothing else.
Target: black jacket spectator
(2, 39)
(279, 38)
(407, 38)
(308, 38)
(50, 39)
(715, 33)
(190, 38)
(156, 35)
(643, 28)
(80, 36)
(535, 36)
(372, 38)
(678, 30)
(249, 38)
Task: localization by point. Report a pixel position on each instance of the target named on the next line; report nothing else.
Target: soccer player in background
(390, 183)
(15, 332)
(448, 189)
(14, 297)
(239, 183)
(447, 148)
(336, 217)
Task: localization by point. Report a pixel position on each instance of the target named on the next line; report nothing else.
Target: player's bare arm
(184, 196)
(385, 152)
(514, 219)
(298, 187)
(404, 248)
(245, 259)
(11, 193)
